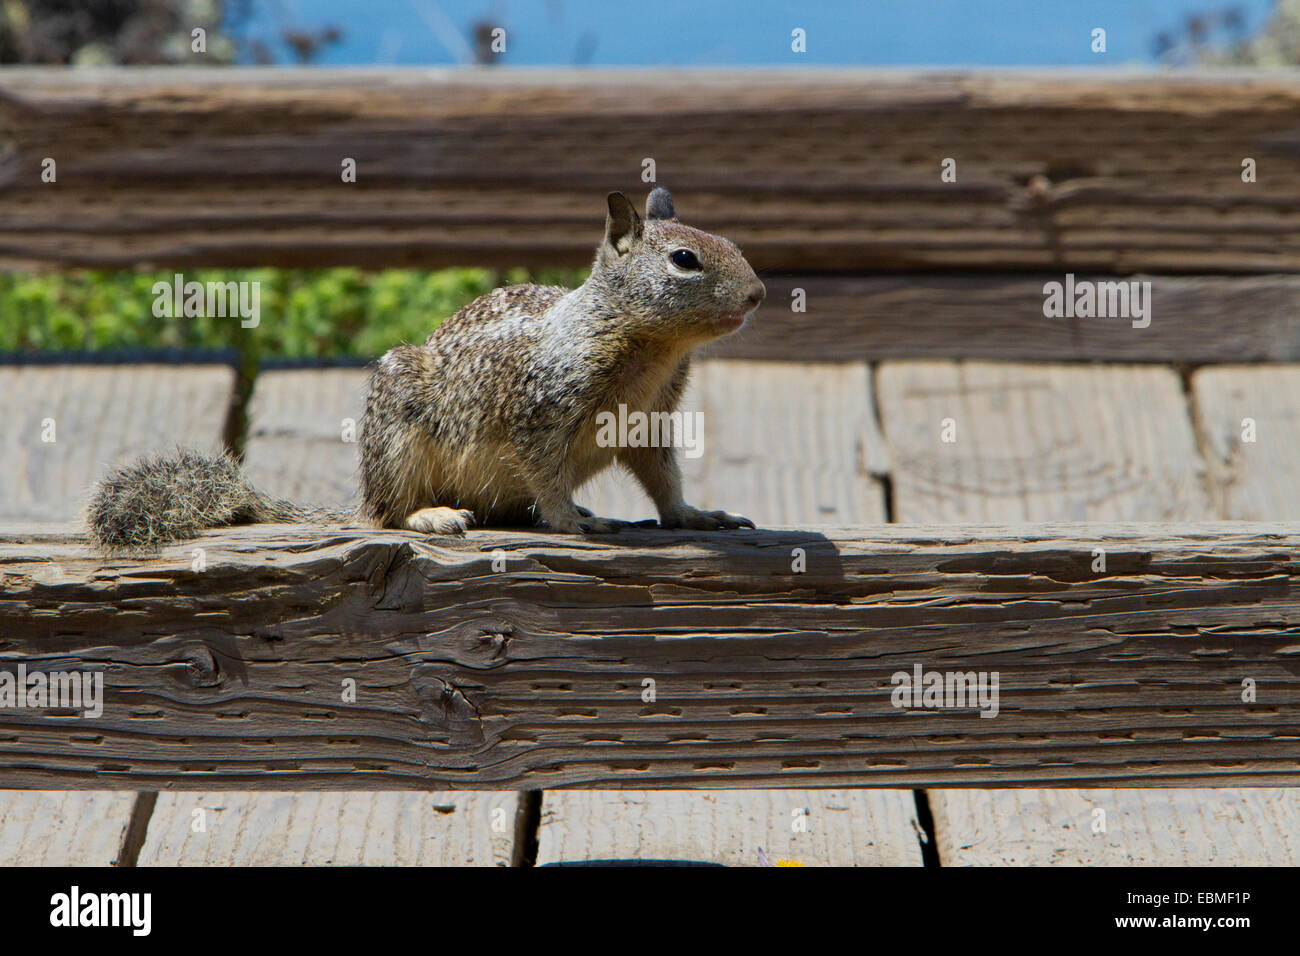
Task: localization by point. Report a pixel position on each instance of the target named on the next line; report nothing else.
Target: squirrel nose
(757, 293)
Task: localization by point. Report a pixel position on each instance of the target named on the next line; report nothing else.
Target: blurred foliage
(304, 314)
(113, 32)
(1203, 36)
(1217, 37)
(1278, 44)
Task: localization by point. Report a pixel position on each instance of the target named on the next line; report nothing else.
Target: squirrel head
(670, 279)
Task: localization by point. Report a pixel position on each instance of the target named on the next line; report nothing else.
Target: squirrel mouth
(732, 320)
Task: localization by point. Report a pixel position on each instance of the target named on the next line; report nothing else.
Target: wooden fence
(816, 170)
(472, 677)
(300, 659)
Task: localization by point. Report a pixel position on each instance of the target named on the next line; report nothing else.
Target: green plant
(304, 314)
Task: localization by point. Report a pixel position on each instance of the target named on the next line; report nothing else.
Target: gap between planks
(1108, 488)
(784, 443)
(1055, 442)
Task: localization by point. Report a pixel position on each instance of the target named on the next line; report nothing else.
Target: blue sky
(748, 32)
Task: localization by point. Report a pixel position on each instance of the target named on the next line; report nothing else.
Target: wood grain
(790, 827)
(98, 417)
(233, 677)
(332, 829)
(1210, 318)
(1040, 443)
(297, 448)
(785, 443)
(63, 828)
(298, 445)
(1049, 443)
(835, 170)
(1251, 480)
(794, 443)
(1161, 827)
(102, 417)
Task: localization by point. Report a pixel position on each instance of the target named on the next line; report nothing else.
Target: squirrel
(493, 420)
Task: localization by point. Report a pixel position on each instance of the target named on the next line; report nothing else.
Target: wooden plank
(304, 434)
(1000, 317)
(299, 425)
(731, 827)
(784, 443)
(65, 426)
(1251, 480)
(767, 677)
(1039, 443)
(794, 444)
(1052, 443)
(63, 829)
(99, 417)
(332, 829)
(1197, 827)
(242, 167)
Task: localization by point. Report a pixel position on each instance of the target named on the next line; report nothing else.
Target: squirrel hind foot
(453, 521)
(696, 520)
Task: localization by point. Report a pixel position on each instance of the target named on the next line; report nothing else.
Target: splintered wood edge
(532, 678)
(1065, 533)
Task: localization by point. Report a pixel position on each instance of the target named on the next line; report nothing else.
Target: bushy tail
(161, 499)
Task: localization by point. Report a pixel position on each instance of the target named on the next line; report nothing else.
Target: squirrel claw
(600, 525)
(697, 520)
(580, 523)
(617, 523)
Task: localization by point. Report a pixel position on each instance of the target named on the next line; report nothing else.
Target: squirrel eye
(685, 259)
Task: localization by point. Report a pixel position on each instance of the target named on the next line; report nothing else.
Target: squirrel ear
(660, 205)
(622, 225)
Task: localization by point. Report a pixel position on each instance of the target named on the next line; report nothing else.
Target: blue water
(746, 32)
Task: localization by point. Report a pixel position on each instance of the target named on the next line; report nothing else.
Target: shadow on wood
(286, 657)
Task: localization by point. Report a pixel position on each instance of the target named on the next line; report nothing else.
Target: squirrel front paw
(582, 521)
(697, 520)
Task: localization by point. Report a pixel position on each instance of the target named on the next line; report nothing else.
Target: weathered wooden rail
(520, 660)
(818, 174)
(1196, 319)
(233, 677)
(814, 170)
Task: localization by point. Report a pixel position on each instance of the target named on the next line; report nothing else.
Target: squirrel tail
(161, 499)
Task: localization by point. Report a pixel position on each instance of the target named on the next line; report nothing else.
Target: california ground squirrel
(493, 420)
